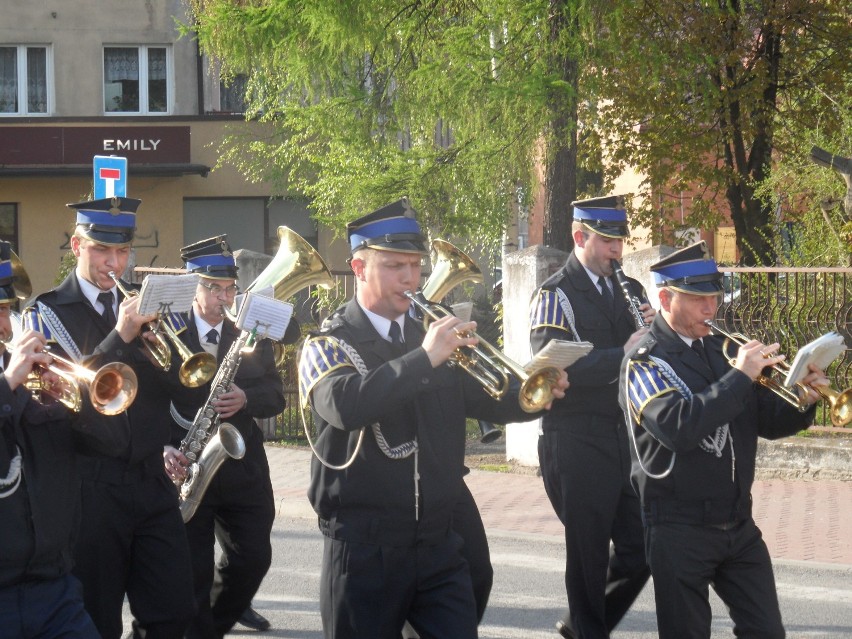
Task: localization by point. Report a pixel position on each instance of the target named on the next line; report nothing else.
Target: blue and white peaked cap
(111, 220)
(605, 216)
(7, 290)
(393, 227)
(690, 270)
(211, 258)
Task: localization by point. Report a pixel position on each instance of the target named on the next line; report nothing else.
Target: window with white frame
(24, 80)
(137, 79)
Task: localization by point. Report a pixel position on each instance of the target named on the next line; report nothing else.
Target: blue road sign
(110, 176)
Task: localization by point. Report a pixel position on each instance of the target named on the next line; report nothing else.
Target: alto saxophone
(208, 443)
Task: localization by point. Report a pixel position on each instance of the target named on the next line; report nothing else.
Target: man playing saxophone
(237, 508)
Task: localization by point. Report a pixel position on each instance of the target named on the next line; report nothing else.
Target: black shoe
(564, 630)
(254, 620)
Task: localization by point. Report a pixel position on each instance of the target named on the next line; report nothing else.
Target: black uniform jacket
(594, 378)
(703, 487)
(256, 376)
(148, 428)
(38, 522)
(408, 399)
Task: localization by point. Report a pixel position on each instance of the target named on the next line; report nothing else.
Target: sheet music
(167, 294)
(238, 300)
(821, 352)
(269, 316)
(463, 310)
(559, 353)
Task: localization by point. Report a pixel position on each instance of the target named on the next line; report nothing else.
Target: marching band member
(385, 399)
(583, 448)
(132, 538)
(697, 418)
(39, 490)
(237, 509)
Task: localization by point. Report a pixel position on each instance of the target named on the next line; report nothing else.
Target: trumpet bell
(113, 388)
(537, 389)
(197, 369)
(840, 403)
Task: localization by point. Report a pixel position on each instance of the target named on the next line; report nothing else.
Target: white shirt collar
(91, 292)
(595, 277)
(204, 328)
(382, 324)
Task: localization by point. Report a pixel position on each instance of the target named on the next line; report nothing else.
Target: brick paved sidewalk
(800, 519)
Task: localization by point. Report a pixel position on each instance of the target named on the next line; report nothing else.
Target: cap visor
(406, 246)
(106, 237)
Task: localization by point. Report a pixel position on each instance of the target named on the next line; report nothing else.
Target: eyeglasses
(215, 289)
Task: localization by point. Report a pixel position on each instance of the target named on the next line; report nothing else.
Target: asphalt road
(528, 595)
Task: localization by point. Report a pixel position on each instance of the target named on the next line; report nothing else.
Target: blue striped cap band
(386, 230)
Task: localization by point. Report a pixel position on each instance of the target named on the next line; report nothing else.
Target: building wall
(77, 31)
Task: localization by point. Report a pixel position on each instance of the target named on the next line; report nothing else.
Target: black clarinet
(632, 301)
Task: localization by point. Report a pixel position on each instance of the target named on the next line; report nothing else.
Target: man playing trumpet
(697, 417)
(132, 538)
(40, 488)
(390, 415)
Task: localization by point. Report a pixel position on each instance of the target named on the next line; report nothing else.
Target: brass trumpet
(840, 402)
(197, 368)
(112, 388)
(491, 368)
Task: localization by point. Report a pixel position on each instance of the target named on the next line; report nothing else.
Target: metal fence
(791, 306)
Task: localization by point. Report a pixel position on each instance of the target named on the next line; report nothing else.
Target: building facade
(84, 78)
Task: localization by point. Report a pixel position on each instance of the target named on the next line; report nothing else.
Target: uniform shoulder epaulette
(329, 324)
(321, 355)
(642, 350)
(553, 281)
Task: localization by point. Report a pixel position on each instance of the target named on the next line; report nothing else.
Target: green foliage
(66, 265)
(693, 93)
(445, 102)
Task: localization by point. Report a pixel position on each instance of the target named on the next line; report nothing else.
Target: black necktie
(395, 333)
(107, 299)
(212, 336)
(698, 347)
(605, 292)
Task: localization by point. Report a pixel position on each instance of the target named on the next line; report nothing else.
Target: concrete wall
(523, 272)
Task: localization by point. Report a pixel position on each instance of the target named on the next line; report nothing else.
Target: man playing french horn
(390, 415)
(237, 509)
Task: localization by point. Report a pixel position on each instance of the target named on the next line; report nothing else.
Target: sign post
(110, 176)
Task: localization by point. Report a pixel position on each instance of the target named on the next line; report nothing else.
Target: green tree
(449, 102)
(693, 94)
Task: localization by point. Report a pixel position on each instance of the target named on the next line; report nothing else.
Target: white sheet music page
(266, 314)
(820, 352)
(559, 353)
(238, 300)
(167, 293)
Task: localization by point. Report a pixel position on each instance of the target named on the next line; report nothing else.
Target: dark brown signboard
(78, 145)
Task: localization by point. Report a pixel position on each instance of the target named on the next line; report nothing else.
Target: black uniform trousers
(467, 523)
(687, 558)
(124, 546)
(594, 513)
(370, 589)
(238, 511)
